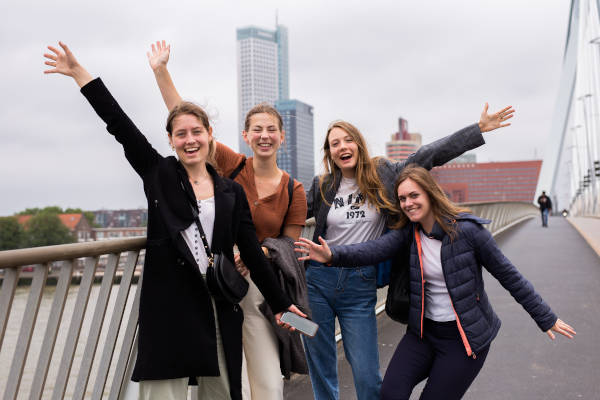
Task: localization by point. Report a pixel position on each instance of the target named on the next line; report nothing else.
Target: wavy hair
(444, 210)
(367, 178)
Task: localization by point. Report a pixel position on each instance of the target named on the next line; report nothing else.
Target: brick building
(487, 182)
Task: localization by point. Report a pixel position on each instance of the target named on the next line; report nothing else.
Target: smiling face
(263, 135)
(190, 139)
(343, 151)
(415, 203)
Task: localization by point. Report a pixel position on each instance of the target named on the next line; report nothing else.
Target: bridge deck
(523, 362)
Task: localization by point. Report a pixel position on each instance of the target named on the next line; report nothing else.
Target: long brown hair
(189, 108)
(444, 210)
(367, 178)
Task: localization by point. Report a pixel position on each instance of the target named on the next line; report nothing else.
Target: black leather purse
(397, 302)
(222, 278)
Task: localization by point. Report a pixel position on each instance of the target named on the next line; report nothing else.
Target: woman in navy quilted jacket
(451, 322)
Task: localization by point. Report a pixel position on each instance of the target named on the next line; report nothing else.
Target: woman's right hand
(159, 57)
(320, 253)
(65, 63)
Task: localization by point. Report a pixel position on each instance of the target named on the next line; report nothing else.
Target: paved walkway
(589, 228)
(523, 362)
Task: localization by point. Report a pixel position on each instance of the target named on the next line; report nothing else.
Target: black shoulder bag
(223, 280)
(397, 302)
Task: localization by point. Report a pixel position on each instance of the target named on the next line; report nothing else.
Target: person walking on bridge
(189, 331)
(451, 322)
(545, 207)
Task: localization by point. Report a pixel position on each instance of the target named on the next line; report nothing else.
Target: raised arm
(140, 154)
(158, 58)
(516, 284)
(358, 254)
(448, 148)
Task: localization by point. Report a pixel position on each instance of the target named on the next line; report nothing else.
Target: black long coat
(176, 322)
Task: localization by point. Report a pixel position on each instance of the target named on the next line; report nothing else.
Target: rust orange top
(271, 212)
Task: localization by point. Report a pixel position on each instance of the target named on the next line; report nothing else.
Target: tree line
(44, 228)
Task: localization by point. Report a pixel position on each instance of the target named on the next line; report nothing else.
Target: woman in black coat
(185, 333)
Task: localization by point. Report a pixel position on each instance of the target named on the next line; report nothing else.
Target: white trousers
(209, 387)
(263, 380)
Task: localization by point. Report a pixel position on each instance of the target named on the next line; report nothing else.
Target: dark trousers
(440, 356)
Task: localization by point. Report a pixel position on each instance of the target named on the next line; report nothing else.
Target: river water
(14, 324)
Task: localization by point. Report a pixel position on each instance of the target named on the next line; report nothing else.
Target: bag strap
(209, 254)
(290, 188)
(237, 169)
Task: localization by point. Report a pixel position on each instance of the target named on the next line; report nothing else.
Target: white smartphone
(303, 325)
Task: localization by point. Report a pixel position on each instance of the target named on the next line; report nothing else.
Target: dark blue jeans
(545, 213)
(440, 357)
(350, 295)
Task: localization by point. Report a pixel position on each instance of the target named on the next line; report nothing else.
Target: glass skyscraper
(296, 155)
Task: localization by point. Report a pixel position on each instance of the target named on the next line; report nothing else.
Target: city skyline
(347, 61)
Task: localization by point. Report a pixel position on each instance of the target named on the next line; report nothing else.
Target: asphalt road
(523, 362)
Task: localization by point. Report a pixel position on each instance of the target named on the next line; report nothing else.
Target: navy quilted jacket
(462, 260)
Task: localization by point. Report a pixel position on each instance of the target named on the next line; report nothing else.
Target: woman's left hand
(489, 122)
(320, 253)
(561, 327)
(240, 266)
(293, 309)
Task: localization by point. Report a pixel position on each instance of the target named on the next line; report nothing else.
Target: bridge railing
(88, 351)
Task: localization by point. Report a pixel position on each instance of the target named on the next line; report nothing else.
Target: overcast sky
(435, 63)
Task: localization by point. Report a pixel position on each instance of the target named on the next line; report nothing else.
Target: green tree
(36, 210)
(11, 233)
(45, 229)
(52, 210)
(29, 211)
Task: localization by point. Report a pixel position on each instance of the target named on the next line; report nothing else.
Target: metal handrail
(111, 379)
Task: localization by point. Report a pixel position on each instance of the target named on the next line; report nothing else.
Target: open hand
(65, 63)
(159, 57)
(320, 253)
(489, 122)
(561, 327)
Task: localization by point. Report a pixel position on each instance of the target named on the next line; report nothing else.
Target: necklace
(198, 181)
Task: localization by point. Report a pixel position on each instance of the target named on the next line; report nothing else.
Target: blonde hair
(367, 178)
(444, 211)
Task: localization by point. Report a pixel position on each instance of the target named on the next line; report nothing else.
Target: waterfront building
(296, 155)
(77, 224)
(121, 218)
(489, 182)
(114, 233)
(402, 143)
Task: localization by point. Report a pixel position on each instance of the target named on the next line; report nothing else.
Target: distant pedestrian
(451, 322)
(545, 208)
